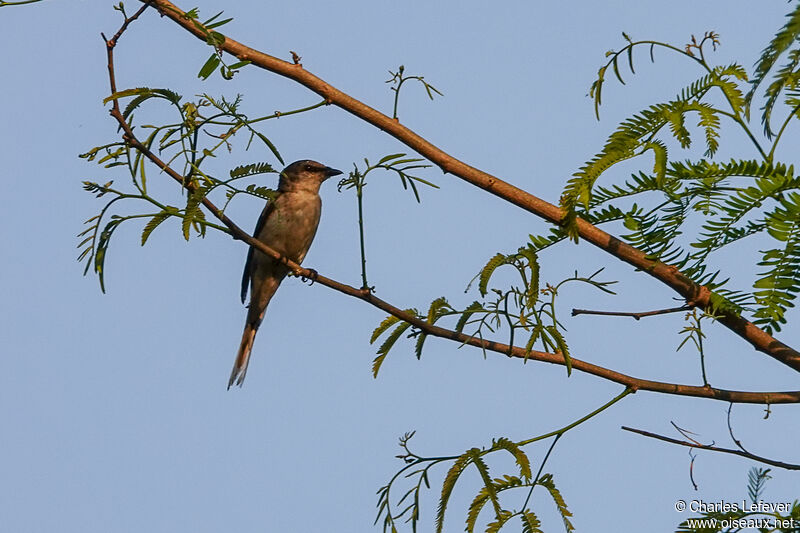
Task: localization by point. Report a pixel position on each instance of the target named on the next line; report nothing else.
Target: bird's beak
(329, 172)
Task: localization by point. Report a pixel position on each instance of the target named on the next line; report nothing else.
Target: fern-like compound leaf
(487, 271)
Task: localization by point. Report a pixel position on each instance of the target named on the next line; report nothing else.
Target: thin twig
(686, 433)
(127, 22)
(740, 453)
(579, 421)
(541, 467)
(691, 469)
(637, 316)
(736, 441)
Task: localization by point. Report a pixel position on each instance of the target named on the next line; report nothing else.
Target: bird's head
(305, 175)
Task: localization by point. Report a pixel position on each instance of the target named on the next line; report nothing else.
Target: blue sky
(114, 409)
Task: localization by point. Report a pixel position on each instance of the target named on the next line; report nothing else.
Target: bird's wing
(247, 265)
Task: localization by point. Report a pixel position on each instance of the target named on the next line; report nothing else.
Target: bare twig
(637, 316)
(541, 467)
(125, 24)
(686, 433)
(736, 441)
(771, 462)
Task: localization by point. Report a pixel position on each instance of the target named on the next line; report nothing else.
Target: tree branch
(430, 329)
(740, 453)
(694, 294)
(637, 316)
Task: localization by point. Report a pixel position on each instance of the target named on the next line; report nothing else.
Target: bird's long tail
(263, 292)
(243, 356)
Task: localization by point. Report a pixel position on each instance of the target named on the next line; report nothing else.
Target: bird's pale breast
(291, 227)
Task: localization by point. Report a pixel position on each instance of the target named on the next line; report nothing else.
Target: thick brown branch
(693, 293)
(436, 331)
(771, 462)
(637, 316)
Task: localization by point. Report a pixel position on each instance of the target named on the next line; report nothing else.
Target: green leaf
(483, 470)
(271, 146)
(122, 94)
(520, 458)
(392, 338)
(215, 39)
(438, 308)
(530, 522)
(500, 484)
(419, 344)
(562, 346)
(449, 483)
(389, 157)
(637, 134)
(475, 509)
(112, 155)
(388, 322)
(377, 362)
(142, 94)
(535, 333)
(474, 307)
(266, 193)
(630, 59)
(532, 259)
(252, 169)
(779, 284)
(217, 24)
(660, 165)
(547, 482)
(154, 223)
(616, 71)
(502, 518)
(192, 211)
(212, 19)
(387, 345)
(209, 66)
(596, 91)
(756, 478)
(199, 223)
(147, 95)
(785, 37)
(488, 270)
(239, 64)
(102, 247)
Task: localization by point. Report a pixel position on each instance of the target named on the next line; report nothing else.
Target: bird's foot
(368, 289)
(312, 276)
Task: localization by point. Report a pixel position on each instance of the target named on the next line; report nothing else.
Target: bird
(287, 224)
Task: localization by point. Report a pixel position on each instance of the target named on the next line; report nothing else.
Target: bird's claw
(366, 291)
(312, 276)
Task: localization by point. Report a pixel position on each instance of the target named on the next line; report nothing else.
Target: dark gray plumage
(287, 225)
